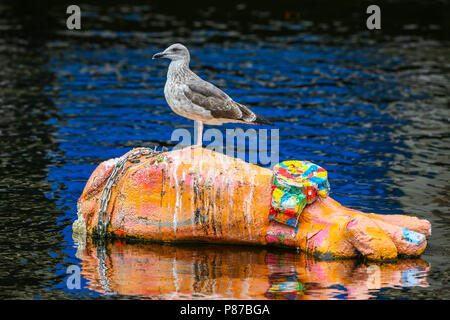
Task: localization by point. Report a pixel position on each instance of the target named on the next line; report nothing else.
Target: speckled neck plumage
(179, 71)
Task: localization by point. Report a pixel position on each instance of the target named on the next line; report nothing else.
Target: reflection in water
(159, 271)
(31, 237)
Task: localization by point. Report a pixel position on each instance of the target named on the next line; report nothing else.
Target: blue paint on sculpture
(412, 236)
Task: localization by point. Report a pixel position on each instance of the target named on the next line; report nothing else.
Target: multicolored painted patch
(287, 287)
(296, 184)
(282, 234)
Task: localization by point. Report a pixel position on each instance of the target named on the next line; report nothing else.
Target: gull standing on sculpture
(194, 98)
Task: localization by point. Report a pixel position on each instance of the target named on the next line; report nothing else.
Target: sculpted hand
(327, 229)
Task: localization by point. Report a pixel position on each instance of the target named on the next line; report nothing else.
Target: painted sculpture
(195, 194)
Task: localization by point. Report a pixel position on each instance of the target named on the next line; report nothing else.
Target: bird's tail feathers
(262, 120)
(248, 114)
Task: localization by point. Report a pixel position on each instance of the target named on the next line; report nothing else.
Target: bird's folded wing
(209, 97)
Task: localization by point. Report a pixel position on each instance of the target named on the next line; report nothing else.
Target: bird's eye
(175, 49)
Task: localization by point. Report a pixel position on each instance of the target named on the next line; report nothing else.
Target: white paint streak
(192, 198)
(249, 210)
(175, 275)
(177, 193)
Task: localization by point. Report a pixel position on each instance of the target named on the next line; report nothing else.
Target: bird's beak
(158, 55)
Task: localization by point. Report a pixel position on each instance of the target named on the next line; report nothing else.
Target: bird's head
(175, 52)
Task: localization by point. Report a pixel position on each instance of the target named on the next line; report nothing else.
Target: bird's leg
(199, 125)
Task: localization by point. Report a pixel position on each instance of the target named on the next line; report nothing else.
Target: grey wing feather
(208, 96)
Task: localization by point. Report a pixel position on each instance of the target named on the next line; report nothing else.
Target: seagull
(194, 98)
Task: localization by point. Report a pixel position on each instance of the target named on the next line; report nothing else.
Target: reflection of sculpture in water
(283, 279)
(159, 271)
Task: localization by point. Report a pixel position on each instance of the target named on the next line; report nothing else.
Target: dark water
(370, 107)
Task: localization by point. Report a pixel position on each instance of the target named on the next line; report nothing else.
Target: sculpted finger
(412, 223)
(369, 239)
(408, 242)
